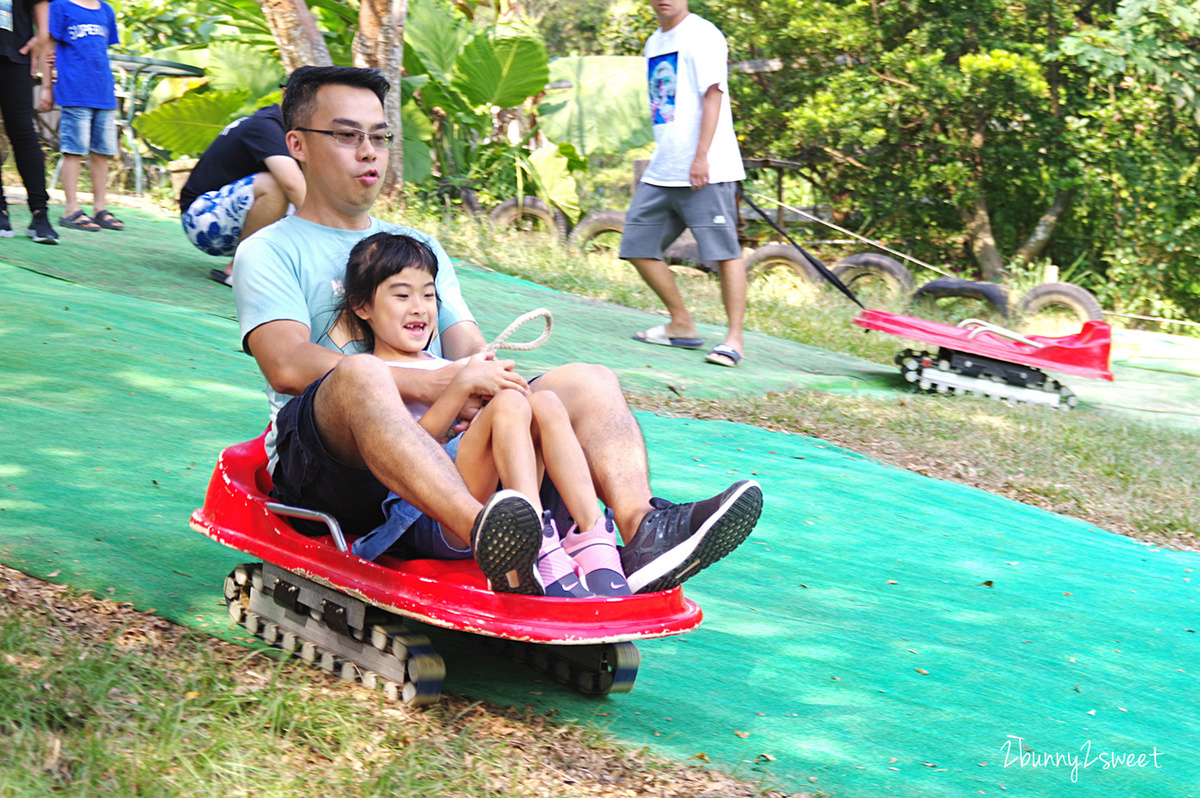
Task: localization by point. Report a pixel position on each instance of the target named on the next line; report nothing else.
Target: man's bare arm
(41, 47)
(462, 340)
(286, 356)
(709, 113)
(287, 174)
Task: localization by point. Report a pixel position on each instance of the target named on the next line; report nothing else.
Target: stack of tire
(601, 230)
(607, 226)
(1046, 296)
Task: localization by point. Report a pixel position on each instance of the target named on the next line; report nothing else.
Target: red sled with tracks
(982, 358)
(312, 597)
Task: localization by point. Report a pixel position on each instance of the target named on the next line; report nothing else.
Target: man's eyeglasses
(353, 137)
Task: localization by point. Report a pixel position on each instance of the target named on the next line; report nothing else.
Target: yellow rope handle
(500, 342)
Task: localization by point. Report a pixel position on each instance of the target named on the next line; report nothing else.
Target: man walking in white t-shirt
(692, 178)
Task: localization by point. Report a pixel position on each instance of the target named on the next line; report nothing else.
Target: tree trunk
(296, 32)
(379, 44)
(1044, 230)
(976, 218)
(983, 243)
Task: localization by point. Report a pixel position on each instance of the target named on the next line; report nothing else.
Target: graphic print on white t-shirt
(664, 80)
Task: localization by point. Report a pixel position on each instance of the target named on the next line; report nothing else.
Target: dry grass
(98, 699)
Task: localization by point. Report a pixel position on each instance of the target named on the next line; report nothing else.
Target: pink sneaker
(596, 557)
(555, 569)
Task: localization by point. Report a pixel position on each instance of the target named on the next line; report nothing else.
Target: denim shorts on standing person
(84, 130)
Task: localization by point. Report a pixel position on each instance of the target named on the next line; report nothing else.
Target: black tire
(870, 268)
(946, 287)
(773, 257)
(512, 212)
(470, 201)
(597, 225)
(1061, 295)
(685, 251)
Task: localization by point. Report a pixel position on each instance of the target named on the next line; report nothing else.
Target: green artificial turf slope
(114, 408)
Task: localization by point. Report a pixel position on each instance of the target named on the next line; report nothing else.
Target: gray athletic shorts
(658, 214)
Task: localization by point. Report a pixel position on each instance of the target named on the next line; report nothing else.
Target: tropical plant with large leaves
(241, 78)
(597, 104)
(472, 75)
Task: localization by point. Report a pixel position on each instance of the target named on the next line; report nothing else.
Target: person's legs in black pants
(16, 105)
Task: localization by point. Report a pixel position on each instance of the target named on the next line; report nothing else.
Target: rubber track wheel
(510, 212)
(773, 256)
(946, 287)
(594, 224)
(1082, 301)
(892, 272)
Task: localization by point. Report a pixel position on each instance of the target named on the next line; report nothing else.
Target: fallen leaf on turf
(702, 756)
(921, 671)
(988, 583)
(741, 734)
(892, 582)
(1091, 712)
(812, 778)
(765, 758)
(893, 761)
(1065, 593)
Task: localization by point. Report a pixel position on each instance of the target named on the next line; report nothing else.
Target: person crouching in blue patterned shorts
(243, 182)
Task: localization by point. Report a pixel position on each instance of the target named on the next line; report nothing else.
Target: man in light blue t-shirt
(341, 436)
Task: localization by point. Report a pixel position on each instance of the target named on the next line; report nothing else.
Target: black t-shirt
(11, 41)
(241, 149)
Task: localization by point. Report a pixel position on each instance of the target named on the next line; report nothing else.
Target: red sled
(979, 357)
(312, 597)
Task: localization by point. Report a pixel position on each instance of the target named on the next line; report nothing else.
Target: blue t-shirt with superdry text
(85, 78)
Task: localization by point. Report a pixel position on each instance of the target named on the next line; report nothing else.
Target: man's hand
(40, 49)
(699, 171)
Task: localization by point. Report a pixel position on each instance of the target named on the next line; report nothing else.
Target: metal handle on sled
(986, 326)
(312, 515)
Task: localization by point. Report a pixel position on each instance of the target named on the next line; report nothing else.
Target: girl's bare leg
(565, 462)
(498, 447)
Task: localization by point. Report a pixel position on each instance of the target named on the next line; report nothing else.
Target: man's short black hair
(300, 93)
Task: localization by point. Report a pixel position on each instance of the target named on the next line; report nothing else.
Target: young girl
(389, 292)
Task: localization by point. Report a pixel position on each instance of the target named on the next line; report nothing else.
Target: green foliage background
(906, 115)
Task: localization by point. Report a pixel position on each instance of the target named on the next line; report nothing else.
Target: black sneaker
(506, 538)
(40, 230)
(676, 541)
(5, 225)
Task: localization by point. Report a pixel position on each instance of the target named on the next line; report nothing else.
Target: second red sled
(312, 597)
(978, 357)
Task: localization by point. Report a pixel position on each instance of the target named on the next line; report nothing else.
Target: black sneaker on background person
(40, 230)
(5, 225)
(676, 541)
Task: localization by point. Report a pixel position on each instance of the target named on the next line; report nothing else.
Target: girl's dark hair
(373, 260)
